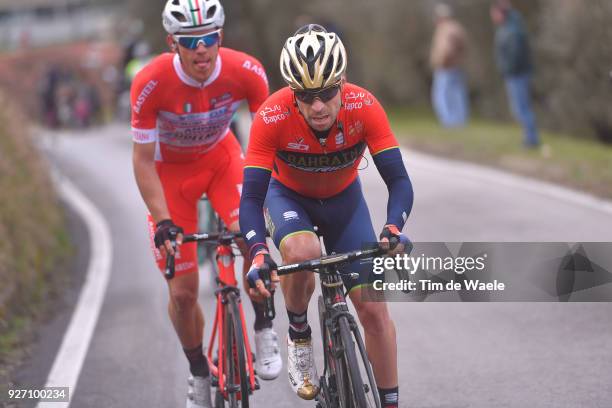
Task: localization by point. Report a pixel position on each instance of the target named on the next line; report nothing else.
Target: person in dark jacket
(513, 58)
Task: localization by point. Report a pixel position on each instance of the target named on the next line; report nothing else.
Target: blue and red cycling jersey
(283, 143)
(284, 147)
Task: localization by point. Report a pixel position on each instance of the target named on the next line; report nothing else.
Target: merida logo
(148, 89)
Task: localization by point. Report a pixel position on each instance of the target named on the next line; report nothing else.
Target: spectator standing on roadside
(48, 94)
(513, 59)
(449, 94)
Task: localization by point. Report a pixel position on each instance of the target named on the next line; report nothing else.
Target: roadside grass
(35, 241)
(582, 164)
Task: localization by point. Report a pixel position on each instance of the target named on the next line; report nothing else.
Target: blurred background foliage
(388, 43)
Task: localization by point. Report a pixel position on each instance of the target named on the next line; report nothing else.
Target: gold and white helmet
(312, 59)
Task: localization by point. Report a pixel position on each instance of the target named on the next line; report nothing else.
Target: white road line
(500, 177)
(69, 359)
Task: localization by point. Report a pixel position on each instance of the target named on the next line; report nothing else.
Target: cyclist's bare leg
(297, 291)
(299, 287)
(234, 227)
(185, 311)
(380, 338)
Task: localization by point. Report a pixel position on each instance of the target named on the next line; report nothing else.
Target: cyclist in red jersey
(182, 105)
(306, 144)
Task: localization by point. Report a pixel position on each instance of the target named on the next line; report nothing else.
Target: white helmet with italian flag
(185, 16)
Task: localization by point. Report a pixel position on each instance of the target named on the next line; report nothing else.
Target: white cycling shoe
(198, 395)
(268, 362)
(301, 368)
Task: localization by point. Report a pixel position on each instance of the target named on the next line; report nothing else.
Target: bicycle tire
(374, 402)
(324, 397)
(235, 355)
(355, 386)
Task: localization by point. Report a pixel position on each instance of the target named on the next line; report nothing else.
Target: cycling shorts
(218, 174)
(343, 221)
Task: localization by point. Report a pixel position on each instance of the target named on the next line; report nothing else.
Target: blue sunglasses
(192, 42)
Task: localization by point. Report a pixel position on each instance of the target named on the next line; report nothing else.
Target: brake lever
(269, 311)
(393, 242)
(170, 259)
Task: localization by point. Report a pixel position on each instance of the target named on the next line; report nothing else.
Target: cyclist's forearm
(391, 167)
(252, 223)
(151, 189)
(400, 201)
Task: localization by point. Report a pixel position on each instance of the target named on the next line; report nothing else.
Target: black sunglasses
(324, 95)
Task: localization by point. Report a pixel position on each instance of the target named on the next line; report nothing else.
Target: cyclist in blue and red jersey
(306, 143)
(182, 106)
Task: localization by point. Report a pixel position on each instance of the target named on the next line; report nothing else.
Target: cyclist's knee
(300, 247)
(183, 298)
(374, 317)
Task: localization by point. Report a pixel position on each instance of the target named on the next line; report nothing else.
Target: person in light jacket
(449, 94)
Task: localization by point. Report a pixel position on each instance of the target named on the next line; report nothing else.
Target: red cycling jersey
(282, 142)
(189, 122)
(187, 118)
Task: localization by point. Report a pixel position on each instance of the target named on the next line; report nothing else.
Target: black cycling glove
(166, 230)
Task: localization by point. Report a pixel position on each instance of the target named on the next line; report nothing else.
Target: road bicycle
(347, 380)
(232, 365)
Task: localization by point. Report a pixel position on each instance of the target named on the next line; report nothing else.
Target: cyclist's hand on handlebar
(165, 233)
(394, 241)
(262, 268)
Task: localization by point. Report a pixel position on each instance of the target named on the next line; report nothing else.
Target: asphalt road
(450, 354)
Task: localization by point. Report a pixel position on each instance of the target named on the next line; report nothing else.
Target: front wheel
(237, 381)
(352, 389)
